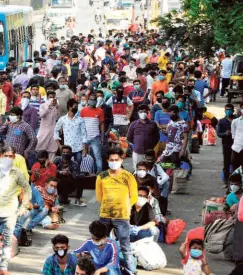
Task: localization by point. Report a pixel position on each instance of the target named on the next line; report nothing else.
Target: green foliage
(205, 24)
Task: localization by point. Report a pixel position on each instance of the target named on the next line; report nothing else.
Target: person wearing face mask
(94, 124)
(142, 218)
(180, 103)
(104, 251)
(236, 191)
(130, 69)
(143, 178)
(63, 94)
(49, 114)
(61, 262)
(177, 134)
(30, 114)
(137, 96)
(51, 209)
(82, 102)
(224, 132)
(74, 131)
(36, 77)
(180, 75)
(119, 187)
(237, 147)
(162, 118)
(43, 169)
(19, 134)
(12, 181)
(158, 104)
(143, 134)
(122, 108)
(159, 85)
(196, 262)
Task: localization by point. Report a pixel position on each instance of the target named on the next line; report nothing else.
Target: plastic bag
(174, 230)
(180, 182)
(209, 135)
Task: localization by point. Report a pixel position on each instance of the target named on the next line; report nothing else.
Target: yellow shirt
(42, 91)
(19, 162)
(162, 62)
(117, 194)
(68, 69)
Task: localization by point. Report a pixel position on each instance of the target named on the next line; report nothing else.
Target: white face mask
(114, 165)
(83, 103)
(98, 243)
(13, 119)
(24, 103)
(100, 101)
(234, 188)
(6, 165)
(141, 174)
(141, 201)
(142, 115)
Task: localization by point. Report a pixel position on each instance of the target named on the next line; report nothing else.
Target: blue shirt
(184, 115)
(200, 85)
(51, 266)
(162, 119)
(232, 199)
(107, 257)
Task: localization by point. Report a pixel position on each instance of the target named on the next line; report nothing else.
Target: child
(196, 262)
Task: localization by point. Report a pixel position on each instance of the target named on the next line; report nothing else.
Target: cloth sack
(180, 182)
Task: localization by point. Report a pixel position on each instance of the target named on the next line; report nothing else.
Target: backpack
(149, 254)
(216, 234)
(24, 240)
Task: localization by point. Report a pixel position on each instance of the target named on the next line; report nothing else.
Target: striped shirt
(92, 118)
(107, 257)
(87, 164)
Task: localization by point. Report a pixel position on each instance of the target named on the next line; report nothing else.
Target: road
(205, 184)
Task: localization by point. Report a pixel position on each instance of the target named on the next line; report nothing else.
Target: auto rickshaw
(236, 79)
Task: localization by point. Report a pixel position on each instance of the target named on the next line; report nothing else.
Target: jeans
(227, 151)
(165, 190)
(225, 84)
(78, 157)
(123, 233)
(8, 224)
(96, 148)
(237, 159)
(153, 231)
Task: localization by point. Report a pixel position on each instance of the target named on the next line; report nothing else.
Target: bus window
(2, 39)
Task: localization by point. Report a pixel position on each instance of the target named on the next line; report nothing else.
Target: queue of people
(58, 119)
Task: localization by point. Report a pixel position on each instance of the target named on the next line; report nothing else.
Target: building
(36, 4)
(168, 5)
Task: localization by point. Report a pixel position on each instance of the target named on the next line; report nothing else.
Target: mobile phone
(54, 101)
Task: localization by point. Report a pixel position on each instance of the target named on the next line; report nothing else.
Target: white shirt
(142, 59)
(74, 132)
(237, 134)
(226, 68)
(99, 55)
(150, 81)
(130, 72)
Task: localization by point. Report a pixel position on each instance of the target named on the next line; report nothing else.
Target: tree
(205, 24)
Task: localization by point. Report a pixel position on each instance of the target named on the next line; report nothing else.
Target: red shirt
(7, 89)
(128, 89)
(45, 173)
(143, 83)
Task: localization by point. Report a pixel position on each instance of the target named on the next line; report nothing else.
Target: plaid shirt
(20, 135)
(51, 266)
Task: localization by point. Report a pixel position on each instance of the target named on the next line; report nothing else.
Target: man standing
(237, 135)
(30, 114)
(49, 114)
(116, 190)
(36, 77)
(159, 85)
(143, 133)
(177, 132)
(94, 124)
(74, 131)
(11, 182)
(19, 134)
(22, 79)
(7, 89)
(3, 100)
(130, 70)
(224, 132)
(225, 73)
(63, 94)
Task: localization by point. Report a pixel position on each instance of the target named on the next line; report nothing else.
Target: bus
(16, 34)
(118, 19)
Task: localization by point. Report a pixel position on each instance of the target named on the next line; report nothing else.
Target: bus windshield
(2, 39)
(62, 3)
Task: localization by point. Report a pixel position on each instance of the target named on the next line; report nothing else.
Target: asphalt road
(205, 184)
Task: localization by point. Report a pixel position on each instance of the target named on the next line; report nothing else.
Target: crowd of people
(78, 109)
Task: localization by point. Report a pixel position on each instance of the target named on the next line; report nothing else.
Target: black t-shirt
(142, 217)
